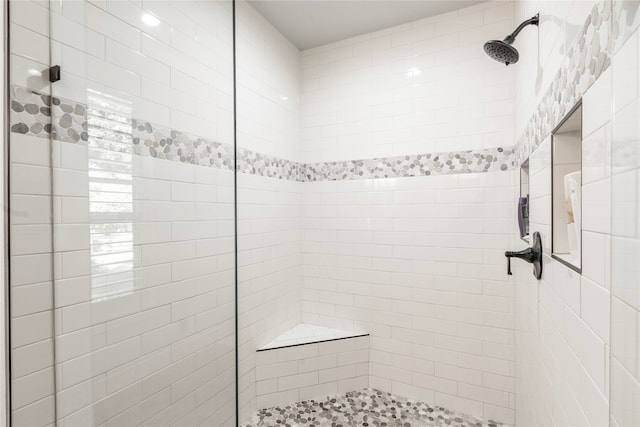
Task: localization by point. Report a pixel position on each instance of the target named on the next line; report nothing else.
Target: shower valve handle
(532, 255)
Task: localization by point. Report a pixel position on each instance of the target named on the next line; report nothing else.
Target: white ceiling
(311, 23)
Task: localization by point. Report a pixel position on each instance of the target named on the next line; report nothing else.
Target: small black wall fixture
(532, 255)
(502, 50)
(54, 73)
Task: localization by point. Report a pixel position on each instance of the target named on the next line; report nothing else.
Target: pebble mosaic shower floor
(366, 407)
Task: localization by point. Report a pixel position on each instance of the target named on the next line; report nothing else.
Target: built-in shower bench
(309, 362)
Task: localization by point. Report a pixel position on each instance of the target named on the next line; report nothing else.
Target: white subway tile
(274, 399)
(468, 406)
(112, 27)
(298, 381)
(276, 370)
(30, 180)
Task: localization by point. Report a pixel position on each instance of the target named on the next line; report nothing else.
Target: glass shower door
(143, 217)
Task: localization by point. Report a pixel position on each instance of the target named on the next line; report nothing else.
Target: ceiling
(311, 23)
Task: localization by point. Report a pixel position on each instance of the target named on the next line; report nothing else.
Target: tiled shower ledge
(368, 407)
(308, 334)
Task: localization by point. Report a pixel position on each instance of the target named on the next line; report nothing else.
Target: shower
(502, 50)
(307, 213)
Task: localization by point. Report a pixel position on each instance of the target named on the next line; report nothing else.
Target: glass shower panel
(30, 207)
(269, 193)
(143, 214)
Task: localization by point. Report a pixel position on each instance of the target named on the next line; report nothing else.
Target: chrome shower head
(502, 51)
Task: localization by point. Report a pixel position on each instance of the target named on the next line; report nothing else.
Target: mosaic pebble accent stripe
(274, 167)
(587, 58)
(489, 160)
(32, 113)
(368, 407)
(608, 26)
(151, 140)
(626, 21)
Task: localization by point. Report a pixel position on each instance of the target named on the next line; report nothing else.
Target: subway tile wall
(273, 213)
(142, 250)
(311, 371)
(335, 228)
(419, 264)
(543, 51)
(269, 213)
(268, 79)
(31, 286)
(420, 87)
(415, 261)
(268, 271)
(562, 327)
(625, 228)
(569, 349)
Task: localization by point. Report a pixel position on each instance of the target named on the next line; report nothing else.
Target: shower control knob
(532, 255)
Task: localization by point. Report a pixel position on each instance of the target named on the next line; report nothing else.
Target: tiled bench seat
(310, 362)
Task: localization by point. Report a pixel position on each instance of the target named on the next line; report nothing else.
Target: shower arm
(532, 21)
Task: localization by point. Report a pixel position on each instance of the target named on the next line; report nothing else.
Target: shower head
(501, 50)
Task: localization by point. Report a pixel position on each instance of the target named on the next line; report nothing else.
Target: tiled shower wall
(311, 371)
(419, 264)
(422, 87)
(566, 342)
(268, 105)
(415, 260)
(625, 225)
(138, 186)
(563, 320)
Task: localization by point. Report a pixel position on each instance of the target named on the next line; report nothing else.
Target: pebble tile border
(33, 113)
(608, 26)
(368, 407)
(471, 161)
(151, 140)
(255, 163)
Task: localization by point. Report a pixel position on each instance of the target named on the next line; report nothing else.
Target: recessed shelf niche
(566, 191)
